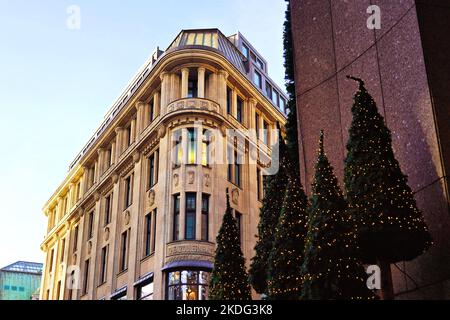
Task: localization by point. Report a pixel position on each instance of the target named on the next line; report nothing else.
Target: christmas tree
(229, 279)
(268, 218)
(286, 257)
(330, 269)
(390, 228)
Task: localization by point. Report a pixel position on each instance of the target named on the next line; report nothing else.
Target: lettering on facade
(190, 251)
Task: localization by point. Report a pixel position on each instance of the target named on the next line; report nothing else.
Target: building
(20, 280)
(137, 214)
(406, 67)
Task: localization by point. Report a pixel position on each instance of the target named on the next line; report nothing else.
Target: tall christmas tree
(330, 269)
(390, 228)
(268, 218)
(286, 257)
(229, 279)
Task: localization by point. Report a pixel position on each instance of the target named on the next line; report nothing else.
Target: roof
(24, 267)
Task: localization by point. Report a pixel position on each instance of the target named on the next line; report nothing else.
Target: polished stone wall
(332, 40)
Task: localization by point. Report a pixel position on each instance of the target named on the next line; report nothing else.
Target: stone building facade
(137, 214)
(405, 65)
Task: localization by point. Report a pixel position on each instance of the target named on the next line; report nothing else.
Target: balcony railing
(193, 104)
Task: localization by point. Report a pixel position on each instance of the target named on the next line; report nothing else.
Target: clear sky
(56, 85)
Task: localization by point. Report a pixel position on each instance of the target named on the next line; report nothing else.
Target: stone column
(113, 152)
(201, 82)
(65, 261)
(156, 104)
(114, 243)
(59, 210)
(92, 286)
(222, 90)
(133, 131)
(164, 90)
(252, 114)
(184, 82)
(140, 118)
(234, 104)
(84, 183)
(71, 196)
(78, 262)
(119, 133)
(134, 256)
(100, 163)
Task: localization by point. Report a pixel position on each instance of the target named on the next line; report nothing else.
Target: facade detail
(138, 212)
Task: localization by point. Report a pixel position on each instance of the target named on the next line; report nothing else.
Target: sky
(57, 83)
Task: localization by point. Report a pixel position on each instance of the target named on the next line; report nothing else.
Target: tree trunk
(387, 288)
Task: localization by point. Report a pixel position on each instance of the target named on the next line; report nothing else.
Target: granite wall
(332, 40)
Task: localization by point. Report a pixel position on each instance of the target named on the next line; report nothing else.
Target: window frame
(190, 216)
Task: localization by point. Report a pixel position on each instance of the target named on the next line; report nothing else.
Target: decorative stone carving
(207, 180)
(106, 235)
(150, 198)
(191, 177)
(176, 179)
(235, 196)
(189, 250)
(127, 217)
(115, 177)
(223, 131)
(74, 259)
(136, 156)
(162, 132)
(89, 247)
(97, 196)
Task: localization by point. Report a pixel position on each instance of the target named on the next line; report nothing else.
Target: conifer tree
(275, 187)
(229, 279)
(390, 228)
(286, 257)
(330, 269)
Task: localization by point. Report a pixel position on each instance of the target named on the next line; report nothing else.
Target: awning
(144, 278)
(189, 264)
(118, 292)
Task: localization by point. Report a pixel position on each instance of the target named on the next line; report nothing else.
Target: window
(120, 296)
(258, 183)
(192, 89)
(234, 160)
(151, 111)
(128, 191)
(268, 90)
(71, 284)
(108, 205)
(206, 147)
(187, 285)
(260, 64)
(191, 200)
(229, 101)
(237, 169)
(153, 169)
(52, 253)
(178, 150)
(192, 146)
(257, 79)
(245, 50)
(22, 289)
(86, 277)
(145, 290)
(13, 288)
(205, 217)
(176, 218)
(239, 224)
(239, 111)
(155, 214)
(58, 290)
(63, 250)
(257, 125)
(90, 230)
(6, 287)
(77, 194)
(282, 104)
(148, 234)
(108, 157)
(66, 205)
(75, 239)
(275, 98)
(124, 252)
(104, 265)
(266, 132)
(128, 135)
